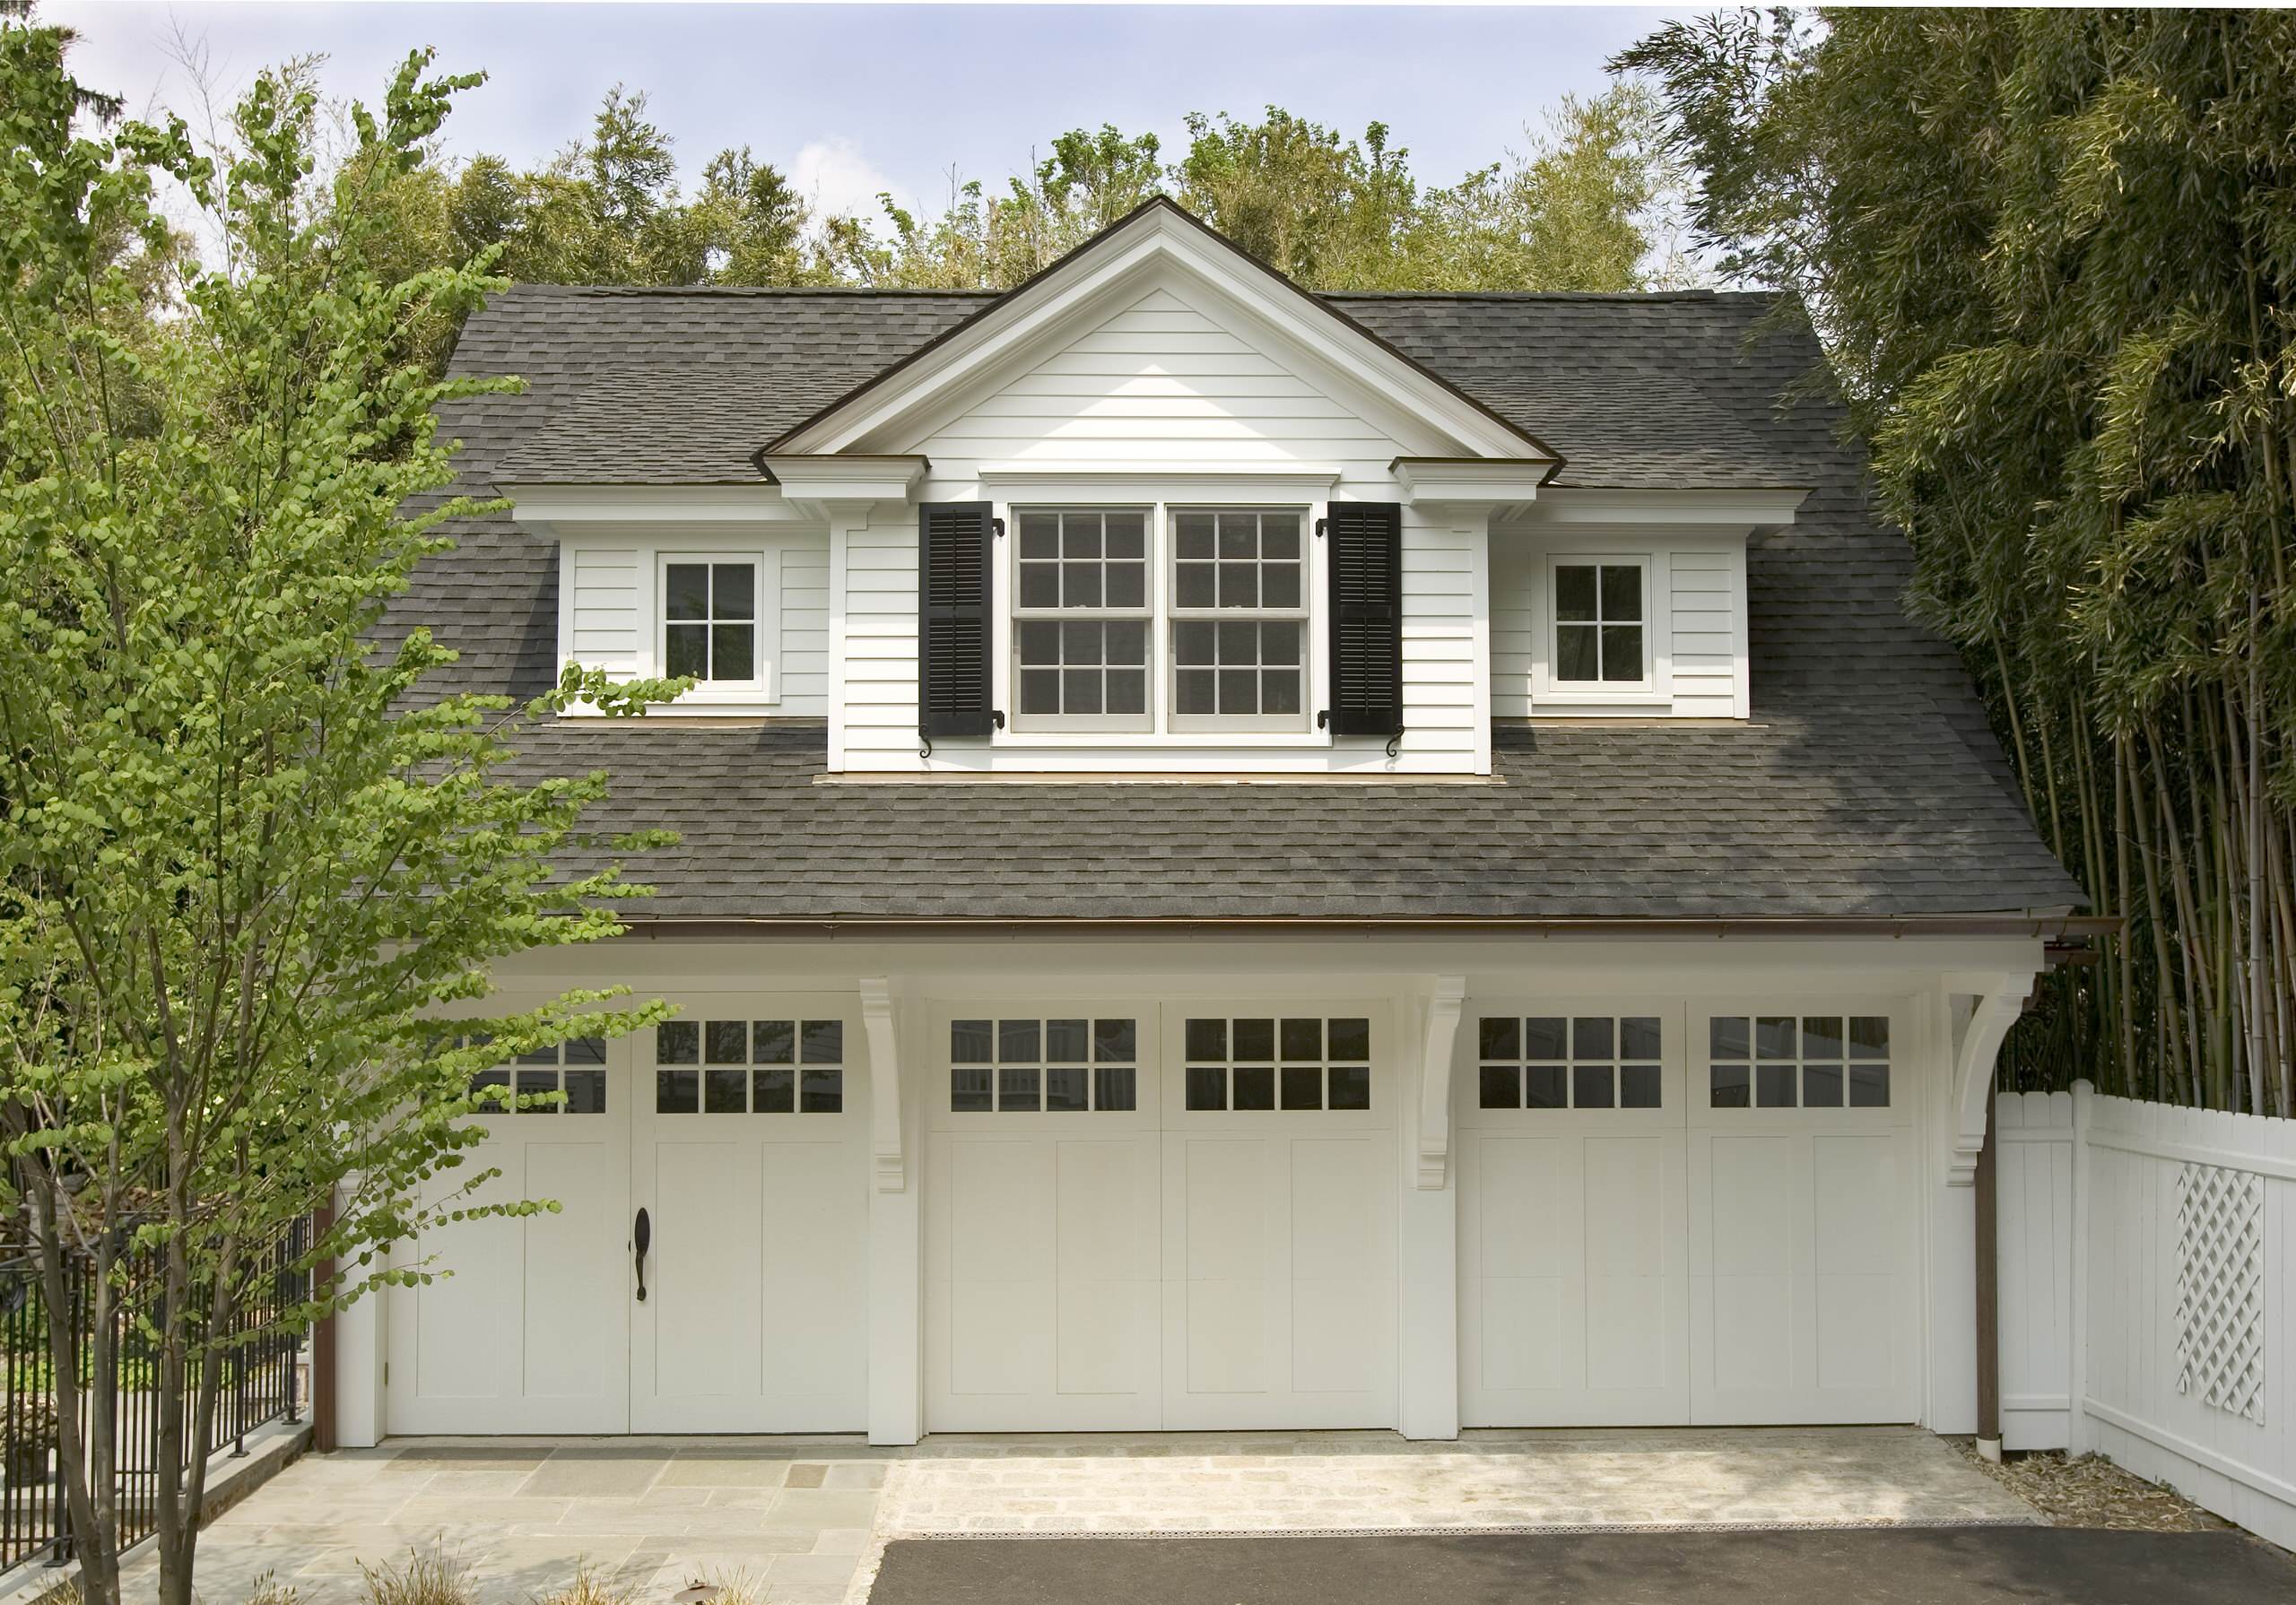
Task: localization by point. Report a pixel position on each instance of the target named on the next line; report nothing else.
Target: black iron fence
(258, 1387)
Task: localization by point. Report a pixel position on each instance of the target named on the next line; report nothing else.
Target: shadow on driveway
(1965, 1565)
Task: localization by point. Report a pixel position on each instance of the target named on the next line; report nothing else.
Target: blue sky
(852, 98)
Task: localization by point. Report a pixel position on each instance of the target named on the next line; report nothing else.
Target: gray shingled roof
(1867, 783)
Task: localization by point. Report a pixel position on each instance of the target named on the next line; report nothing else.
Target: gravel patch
(2093, 1492)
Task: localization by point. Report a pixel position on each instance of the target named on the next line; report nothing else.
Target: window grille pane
(1869, 1086)
(586, 1092)
(1590, 1038)
(1774, 1036)
(1080, 692)
(540, 1055)
(1822, 1085)
(1350, 1039)
(1018, 1042)
(1821, 1037)
(1039, 642)
(1067, 1088)
(821, 1090)
(1574, 592)
(1040, 584)
(1238, 584)
(1621, 652)
(727, 1042)
(1040, 534)
(1303, 1087)
(1019, 1085)
(585, 1050)
(1621, 592)
(1729, 1039)
(1500, 1037)
(1080, 535)
(1727, 1087)
(1126, 535)
(1774, 1086)
(1592, 1088)
(1207, 1039)
(1869, 1036)
(1207, 1088)
(1127, 691)
(1502, 1087)
(1543, 1039)
(1576, 653)
(1115, 1041)
(1545, 1086)
(1065, 1041)
(969, 1089)
(1126, 644)
(773, 1090)
(1239, 535)
(689, 651)
(971, 1041)
(1254, 1040)
(1039, 691)
(685, 591)
(677, 1042)
(1080, 585)
(1279, 535)
(773, 1041)
(1303, 1039)
(1279, 585)
(1195, 585)
(1239, 691)
(677, 1091)
(724, 1091)
(733, 591)
(733, 653)
(1195, 691)
(823, 1042)
(492, 1088)
(1637, 1087)
(1350, 1087)
(1255, 1086)
(1638, 1039)
(1192, 534)
(1115, 1087)
(536, 1083)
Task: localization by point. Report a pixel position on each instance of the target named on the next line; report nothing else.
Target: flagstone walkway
(804, 1521)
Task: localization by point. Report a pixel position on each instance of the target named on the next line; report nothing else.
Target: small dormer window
(1081, 624)
(1602, 634)
(709, 620)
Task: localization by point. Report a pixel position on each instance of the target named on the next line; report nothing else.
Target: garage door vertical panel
(1043, 1262)
(1804, 1239)
(1279, 1222)
(1574, 1278)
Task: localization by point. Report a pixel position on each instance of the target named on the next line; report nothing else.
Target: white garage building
(1247, 860)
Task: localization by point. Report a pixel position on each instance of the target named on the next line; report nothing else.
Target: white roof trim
(1480, 481)
(1158, 235)
(845, 478)
(1744, 509)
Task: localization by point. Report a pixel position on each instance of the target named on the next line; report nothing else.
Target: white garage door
(1685, 1216)
(1178, 1218)
(736, 1131)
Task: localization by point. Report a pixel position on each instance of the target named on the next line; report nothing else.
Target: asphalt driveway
(1957, 1566)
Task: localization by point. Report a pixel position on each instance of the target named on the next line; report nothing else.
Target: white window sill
(1144, 741)
(699, 704)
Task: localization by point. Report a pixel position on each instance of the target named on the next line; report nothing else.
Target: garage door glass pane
(1068, 1065)
(1261, 1063)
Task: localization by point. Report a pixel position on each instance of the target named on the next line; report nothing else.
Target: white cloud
(835, 177)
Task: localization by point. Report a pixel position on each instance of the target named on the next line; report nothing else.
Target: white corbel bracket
(1998, 999)
(888, 1164)
(1443, 1005)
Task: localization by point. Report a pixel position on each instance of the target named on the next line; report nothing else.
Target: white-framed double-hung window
(1239, 619)
(709, 615)
(1601, 607)
(1081, 619)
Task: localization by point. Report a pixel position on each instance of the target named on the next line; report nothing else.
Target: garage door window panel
(1259, 1063)
(1798, 1061)
(563, 1078)
(1577, 1062)
(1044, 1065)
(749, 1067)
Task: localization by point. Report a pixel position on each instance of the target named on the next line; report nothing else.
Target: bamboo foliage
(2052, 257)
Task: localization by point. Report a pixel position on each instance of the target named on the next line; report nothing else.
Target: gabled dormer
(1160, 511)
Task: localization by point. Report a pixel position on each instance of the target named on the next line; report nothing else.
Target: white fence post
(2078, 1438)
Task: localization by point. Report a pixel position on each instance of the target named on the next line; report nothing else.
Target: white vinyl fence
(2148, 1294)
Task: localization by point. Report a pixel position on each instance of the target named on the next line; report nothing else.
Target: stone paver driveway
(804, 1522)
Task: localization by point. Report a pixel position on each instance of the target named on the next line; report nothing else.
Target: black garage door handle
(642, 1236)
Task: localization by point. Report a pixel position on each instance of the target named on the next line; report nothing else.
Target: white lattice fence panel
(2220, 1287)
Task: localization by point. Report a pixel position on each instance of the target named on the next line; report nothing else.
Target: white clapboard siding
(880, 713)
(605, 620)
(1514, 626)
(1160, 382)
(610, 621)
(2125, 1381)
(1701, 625)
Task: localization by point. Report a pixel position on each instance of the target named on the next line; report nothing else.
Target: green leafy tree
(2051, 256)
(247, 862)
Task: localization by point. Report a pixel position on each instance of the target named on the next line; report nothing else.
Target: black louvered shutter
(1365, 561)
(954, 626)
